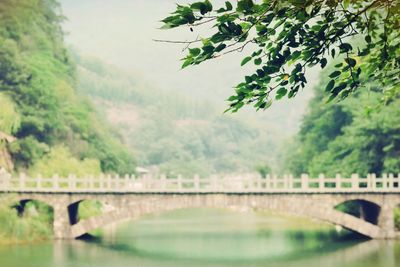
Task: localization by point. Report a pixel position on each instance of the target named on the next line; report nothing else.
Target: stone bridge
(130, 198)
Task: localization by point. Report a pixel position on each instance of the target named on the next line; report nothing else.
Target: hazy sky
(120, 32)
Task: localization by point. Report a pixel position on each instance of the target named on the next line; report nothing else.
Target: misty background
(119, 35)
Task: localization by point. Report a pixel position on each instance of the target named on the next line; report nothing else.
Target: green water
(219, 238)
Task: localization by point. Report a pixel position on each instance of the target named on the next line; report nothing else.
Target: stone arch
(36, 208)
(361, 208)
(73, 209)
(291, 205)
(20, 203)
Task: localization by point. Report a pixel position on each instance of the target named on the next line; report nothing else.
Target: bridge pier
(61, 223)
(386, 221)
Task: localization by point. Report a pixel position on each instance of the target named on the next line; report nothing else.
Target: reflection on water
(210, 238)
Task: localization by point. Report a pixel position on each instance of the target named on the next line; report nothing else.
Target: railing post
(261, 181)
(321, 182)
(373, 181)
(268, 182)
(304, 181)
(108, 182)
(72, 181)
(368, 181)
(5, 179)
(179, 182)
(125, 182)
(384, 180)
(290, 182)
(214, 185)
(197, 182)
(355, 181)
(391, 181)
(22, 178)
(39, 181)
(338, 181)
(275, 182)
(56, 181)
(163, 182)
(285, 182)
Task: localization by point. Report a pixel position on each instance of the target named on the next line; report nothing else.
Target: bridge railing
(179, 184)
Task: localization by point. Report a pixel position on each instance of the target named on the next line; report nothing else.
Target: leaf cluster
(289, 37)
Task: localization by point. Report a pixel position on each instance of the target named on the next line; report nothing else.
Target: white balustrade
(217, 184)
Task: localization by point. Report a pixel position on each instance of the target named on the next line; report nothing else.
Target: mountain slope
(55, 129)
(174, 133)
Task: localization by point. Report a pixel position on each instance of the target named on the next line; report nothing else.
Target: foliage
(33, 226)
(289, 37)
(38, 77)
(347, 138)
(60, 161)
(263, 170)
(9, 117)
(89, 208)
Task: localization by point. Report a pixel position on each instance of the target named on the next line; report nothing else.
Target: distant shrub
(60, 161)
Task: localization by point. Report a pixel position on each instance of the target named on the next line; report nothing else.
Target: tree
(344, 138)
(288, 37)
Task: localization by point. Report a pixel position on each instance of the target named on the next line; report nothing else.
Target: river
(210, 238)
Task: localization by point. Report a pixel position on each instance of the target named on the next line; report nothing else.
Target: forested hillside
(45, 127)
(175, 133)
(357, 135)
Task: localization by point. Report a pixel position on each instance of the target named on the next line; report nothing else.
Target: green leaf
(334, 74)
(220, 47)
(352, 62)
(295, 55)
(245, 5)
(345, 47)
(232, 98)
(257, 61)
(280, 93)
(208, 5)
(245, 60)
(186, 63)
(330, 85)
(194, 51)
(323, 62)
(228, 6)
(197, 6)
(208, 49)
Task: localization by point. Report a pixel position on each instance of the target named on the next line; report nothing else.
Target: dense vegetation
(289, 37)
(348, 137)
(45, 126)
(357, 135)
(174, 133)
(56, 130)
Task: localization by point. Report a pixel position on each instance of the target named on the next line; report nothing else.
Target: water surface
(219, 238)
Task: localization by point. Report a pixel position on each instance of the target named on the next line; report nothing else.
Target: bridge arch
(321, 210)
(361, 208)
(74, 209)
(19, 203)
